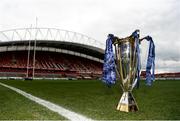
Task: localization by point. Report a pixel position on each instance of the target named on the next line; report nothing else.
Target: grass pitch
(16, 107)
(94, 100)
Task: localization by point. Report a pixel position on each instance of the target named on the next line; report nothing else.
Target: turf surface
(16, 107)
(93, 99)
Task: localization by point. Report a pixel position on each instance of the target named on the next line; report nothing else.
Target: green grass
(93, 99)
(17, 107)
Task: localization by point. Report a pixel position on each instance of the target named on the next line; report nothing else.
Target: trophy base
(127, 103)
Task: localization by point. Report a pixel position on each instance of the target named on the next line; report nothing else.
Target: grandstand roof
(52, 38)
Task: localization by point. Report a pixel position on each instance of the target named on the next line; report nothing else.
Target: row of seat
(48, 61)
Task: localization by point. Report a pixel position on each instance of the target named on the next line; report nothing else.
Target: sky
(97, 18)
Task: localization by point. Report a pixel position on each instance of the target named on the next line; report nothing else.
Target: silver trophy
(126, 67)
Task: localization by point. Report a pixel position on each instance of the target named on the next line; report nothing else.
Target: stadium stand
(48, 64)
(57, 54)
(163, 76)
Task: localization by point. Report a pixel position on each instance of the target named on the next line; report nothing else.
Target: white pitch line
(70, 115)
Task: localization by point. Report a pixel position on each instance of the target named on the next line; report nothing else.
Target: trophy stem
(127, 103)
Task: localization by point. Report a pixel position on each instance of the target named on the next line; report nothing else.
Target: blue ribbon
(109, 74)
(150, 62)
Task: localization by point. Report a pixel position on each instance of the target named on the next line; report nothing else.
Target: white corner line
(70, 115)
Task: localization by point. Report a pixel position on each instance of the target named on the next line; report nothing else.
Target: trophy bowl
(126, 68)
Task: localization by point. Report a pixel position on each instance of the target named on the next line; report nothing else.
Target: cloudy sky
(97, 18)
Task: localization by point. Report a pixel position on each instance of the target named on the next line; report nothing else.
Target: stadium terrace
(49, 53)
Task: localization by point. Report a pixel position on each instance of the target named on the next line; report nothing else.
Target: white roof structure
(49, 34)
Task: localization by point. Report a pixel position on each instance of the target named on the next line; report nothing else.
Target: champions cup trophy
(125, 66)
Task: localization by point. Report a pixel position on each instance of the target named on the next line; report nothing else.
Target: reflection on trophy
(127, 66)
